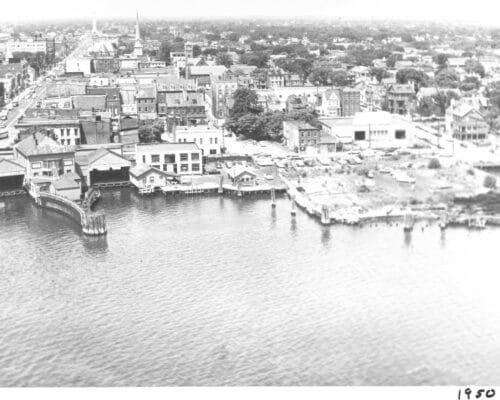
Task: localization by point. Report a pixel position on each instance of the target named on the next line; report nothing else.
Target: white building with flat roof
(209, 138)
(178, 158)
(375, 129)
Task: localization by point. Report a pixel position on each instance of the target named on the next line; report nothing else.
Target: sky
(477, 11)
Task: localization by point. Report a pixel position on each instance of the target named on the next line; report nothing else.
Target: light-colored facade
(208, 138)
(78, 65)
(178, 158)
(371, 130)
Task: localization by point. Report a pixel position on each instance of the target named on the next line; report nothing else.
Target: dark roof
(89, 102)
(67, 181)
(96, 132)
(41, 144)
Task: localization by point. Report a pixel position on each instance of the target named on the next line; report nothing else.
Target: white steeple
(138, 42)
(137, 30)
(94, 25)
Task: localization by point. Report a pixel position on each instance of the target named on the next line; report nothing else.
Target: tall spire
(138, 44)
(94, 24)
(137, 30)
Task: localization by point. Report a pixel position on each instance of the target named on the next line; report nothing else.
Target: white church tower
(138, 42)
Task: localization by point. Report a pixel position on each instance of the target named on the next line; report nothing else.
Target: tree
(490, 182)
(447, 78)
(256, 58)
(146, 134)
(224, 59)
(470, 83)
(196, 50)
(327, 76)
(474, 67)
(245, 102)
(411, 74)
(151, 132)
(441, 60)
(379, 73)
(164, 52)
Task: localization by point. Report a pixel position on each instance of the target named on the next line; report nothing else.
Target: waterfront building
(142, 176)
(11, 176)
(179, 158)
(68, 186)
(102, 165)
(378, 129)
(300, 135)
(43, 157)
(240, 175)
(209, 138)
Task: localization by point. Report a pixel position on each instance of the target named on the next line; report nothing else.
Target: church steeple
(138, 42)
(137, 30)
(94, 25)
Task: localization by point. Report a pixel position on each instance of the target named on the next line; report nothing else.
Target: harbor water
(230, 291)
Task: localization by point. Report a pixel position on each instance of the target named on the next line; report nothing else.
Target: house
(375, 129)
(11, 176)
(102, 165)
(146, 102)
(464, 122)
(330, 104)
(67, 185)
(400, 98)
(142, 176)
(299, 135)
(240, 175)
(179, 158)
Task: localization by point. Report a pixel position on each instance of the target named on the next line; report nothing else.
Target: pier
(93, 224)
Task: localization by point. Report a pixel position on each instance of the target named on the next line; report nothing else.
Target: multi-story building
(178, 158)
(464, 122)
(105, 65)
(65, 131)
(146, 102)
(209, 139)
(222, 92)
(350, 102)
(43, 157)
(184, 108)
(400, 98)
(33, 45)
(299, 135)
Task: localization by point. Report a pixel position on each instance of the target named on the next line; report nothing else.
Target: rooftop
(166, 147)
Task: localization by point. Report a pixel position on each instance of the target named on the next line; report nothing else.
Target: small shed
(242, 175)
(68, 185)
(142, 176)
